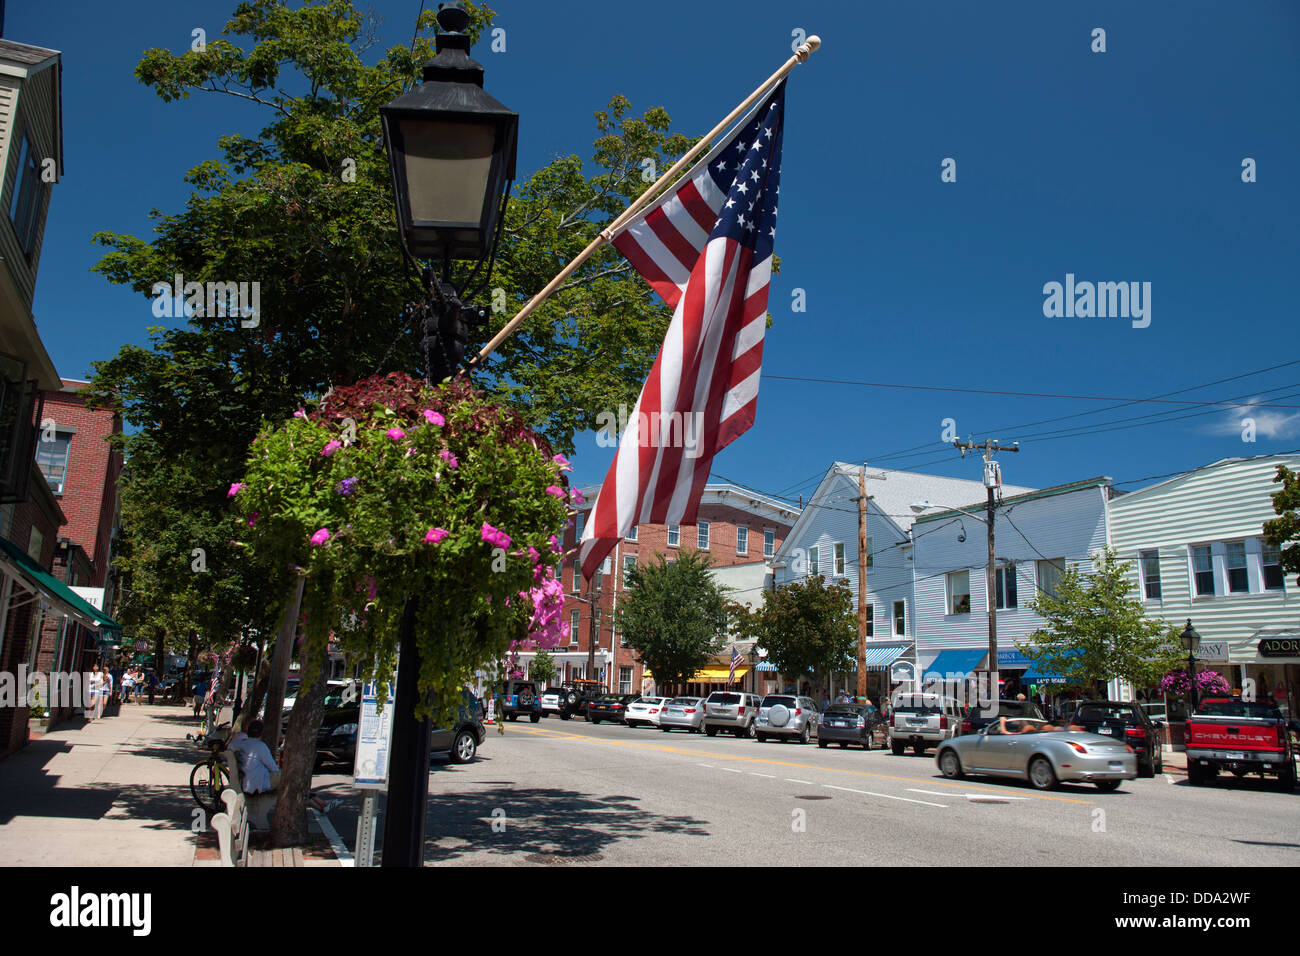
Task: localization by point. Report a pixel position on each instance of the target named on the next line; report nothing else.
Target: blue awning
(879, 658)
(1012, 660)
(765, 666)
(1036, 676)
(956, 664)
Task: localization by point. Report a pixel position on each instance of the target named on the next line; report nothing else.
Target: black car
(336, 741)
(846, 724)
(577, 694)
(975, 720)
(609, 707)
(521, 698)
(1126, 722)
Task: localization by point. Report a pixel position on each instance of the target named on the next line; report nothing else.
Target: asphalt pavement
(570, 793)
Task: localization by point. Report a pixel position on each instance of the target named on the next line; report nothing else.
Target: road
(573, 794)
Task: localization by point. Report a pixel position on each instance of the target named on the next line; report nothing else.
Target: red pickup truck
(1242, 736)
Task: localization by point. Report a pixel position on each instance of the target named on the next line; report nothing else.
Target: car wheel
(897, 746)
(844, 744)
(950, 764)
(1286, 779)
(761, 738)
(572, 698)
(512, 717)
(919, 749)
(805, 735)
(1160, 761)
(535, 718)
(594, 720)
(666, 729)
(565, 715)
(711, 731)
(748, 733)
(1041, 774)
(464, 747)
(1195, 775)
(821, 744)
(1106, 786)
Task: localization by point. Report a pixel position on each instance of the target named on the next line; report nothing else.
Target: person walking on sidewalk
(128, 685)
(92, 694)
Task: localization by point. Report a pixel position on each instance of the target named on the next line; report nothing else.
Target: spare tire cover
(779, 715)
(525, 697)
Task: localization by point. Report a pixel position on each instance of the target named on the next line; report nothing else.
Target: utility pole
(593, 628)
(862, 500)
(993, 484)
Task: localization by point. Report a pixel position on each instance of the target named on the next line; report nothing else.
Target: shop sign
(1279, 647)
(1212, 651)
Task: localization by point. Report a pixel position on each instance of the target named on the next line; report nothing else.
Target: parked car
(1158, 712)
(520, 699)
(1228, 733)
(1018, 748)
(786, 717)
(645, 710)
(552, 699)
(294, 685)
(684, 712)
(1126, 722)
(336, 740)
(846, 724)
(974, 719)
(921, 721)
(732, 711)
(576, 694)
(609, 707)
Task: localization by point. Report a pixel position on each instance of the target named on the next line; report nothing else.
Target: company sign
(1212, 651)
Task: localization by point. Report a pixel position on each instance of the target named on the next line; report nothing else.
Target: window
(52, 459)
(813, 569)
(674, 535)
(1150, 561)
(959, 592)
(1049, 575)
(1203, 570)
(607, 566)
(574, 617)
(577, 578)
(742, 539)
(629, 562)
(900, 618)
(769, 543)
(25, 207)
(1235, 560)
(871, 620)
(1005, 578)
(702, 535)
(625, 680)
(631, 535)
(35, 545)
(1272, 560)
(839, 558)
(580, 520)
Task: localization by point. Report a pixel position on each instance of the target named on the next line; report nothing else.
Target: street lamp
(1191, 641)
(451, 150)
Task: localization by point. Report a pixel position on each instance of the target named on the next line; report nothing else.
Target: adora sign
(1279, 647)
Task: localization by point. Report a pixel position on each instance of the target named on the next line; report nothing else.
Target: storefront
(1268, 667)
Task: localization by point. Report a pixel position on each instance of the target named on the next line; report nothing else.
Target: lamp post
(1191, 641)
(451, 150)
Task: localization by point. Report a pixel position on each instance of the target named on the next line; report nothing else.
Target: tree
(1284, 532)
(672, 616)
(807, 626)
(542, 670)
(1095, 632)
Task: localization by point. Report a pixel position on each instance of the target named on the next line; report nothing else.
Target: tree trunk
(253, 705)
(289, 827)
(280, 660)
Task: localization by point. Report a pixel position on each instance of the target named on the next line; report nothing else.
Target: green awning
(57, 593)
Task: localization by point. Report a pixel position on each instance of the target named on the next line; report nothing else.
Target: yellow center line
(637, 745)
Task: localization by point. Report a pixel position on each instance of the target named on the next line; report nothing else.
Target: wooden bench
(232, 829)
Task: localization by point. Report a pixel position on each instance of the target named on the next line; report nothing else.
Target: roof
(1278, 457)
(1101, 481)
(895, 494)
(731, 495)
(25, 53)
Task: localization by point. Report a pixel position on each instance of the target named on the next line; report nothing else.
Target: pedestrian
(92, 694)
(151, 684)
(128, 685)
(105, 688)
(258, 770)
(200, 692)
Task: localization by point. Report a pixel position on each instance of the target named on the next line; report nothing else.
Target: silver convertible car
(1026, 750)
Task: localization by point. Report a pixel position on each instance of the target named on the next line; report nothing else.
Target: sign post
(370, 769)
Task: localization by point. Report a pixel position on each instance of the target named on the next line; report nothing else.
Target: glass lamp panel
(448, 166)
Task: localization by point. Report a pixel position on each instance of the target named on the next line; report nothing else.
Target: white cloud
(1270, 423)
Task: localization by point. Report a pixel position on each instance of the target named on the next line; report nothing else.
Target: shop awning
(879, 658)
(33, 577)
(955, 664)
(766, 666)
(708, 675)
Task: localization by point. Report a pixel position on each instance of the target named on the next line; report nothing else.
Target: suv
(786, 717)
(336, 740)
(551, 701)
(922, 720)
(576, 694)
(730, 710)
(520, 698)
(1127, 723)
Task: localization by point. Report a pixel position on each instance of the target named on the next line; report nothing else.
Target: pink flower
(320, 537)
(576, 495)
(372, 591)
(331, 448)
(252, 519)
(433, 418)
(449, 458)
(434, 535)
(235, 489)
(555, 544)
(555, 491)
(396, 434)
(300, 414)
(492, 536)
(564, 463)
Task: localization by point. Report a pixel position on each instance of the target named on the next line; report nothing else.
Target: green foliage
(543, 669)
(807, 626)
(413, 507)
(672, 616)
(1284, 531)
(1095, 632)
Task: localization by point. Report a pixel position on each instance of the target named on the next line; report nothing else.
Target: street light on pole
(451, 151)
(1191, 641)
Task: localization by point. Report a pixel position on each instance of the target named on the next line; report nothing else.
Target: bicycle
(209, 778)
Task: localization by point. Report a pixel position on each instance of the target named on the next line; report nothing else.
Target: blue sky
(1117, 166)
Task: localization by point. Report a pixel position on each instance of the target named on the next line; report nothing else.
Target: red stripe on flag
(703, 214)
(673, 240)
(668, 290)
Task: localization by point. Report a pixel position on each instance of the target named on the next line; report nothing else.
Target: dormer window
(25, 204)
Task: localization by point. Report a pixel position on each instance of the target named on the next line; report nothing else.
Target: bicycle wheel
(207, 780)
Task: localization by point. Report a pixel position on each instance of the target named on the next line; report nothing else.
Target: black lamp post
(1191, 641)
(451, 148)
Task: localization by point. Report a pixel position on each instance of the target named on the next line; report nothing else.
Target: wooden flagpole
(607, 234)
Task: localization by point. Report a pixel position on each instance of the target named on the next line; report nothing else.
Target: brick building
(737, 527)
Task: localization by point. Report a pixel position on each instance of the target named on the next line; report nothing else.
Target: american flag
(706, 248)
(735, 662)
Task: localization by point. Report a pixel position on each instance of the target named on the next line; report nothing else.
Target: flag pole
(607, 234)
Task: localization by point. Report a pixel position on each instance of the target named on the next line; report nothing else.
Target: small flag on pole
(706, 247)
(735, 662)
